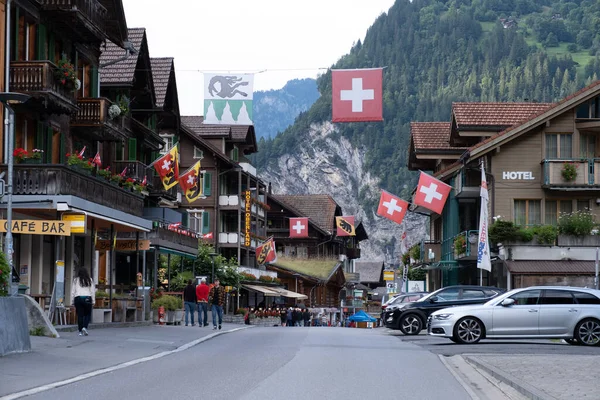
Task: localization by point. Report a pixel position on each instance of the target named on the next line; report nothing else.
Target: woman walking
(83, 296)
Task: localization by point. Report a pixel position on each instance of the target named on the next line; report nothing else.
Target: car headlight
(442, 317)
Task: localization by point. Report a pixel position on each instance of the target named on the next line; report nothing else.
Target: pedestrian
(298, 316)
(283, 316)
(189, 300)
(306, 315)
(202, 300)
(290, 317)
(216, 298)
(83, 296)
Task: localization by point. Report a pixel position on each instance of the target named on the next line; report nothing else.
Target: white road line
(102, 371)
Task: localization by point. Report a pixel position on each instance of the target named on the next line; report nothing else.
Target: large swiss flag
(392, 207)
(357, 95)
(298, 227)
(431, 193)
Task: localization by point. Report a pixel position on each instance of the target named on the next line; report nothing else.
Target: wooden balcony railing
(91, 10)
(174, 237)
(135, 169)
(56, 179)
(91, 112)
(37, 77)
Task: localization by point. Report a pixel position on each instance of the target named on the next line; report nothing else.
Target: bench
(101, 315)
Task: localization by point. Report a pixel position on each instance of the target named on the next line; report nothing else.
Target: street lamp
(8, 98)
(212, 275)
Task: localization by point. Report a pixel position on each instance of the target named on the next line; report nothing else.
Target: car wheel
(587, 332)
(411, 324)
(455, 340)
(468, 330)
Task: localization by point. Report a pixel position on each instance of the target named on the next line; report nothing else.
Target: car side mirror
(433, 299)
(507, 302)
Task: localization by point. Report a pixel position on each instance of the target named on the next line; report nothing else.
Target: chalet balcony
(162, 235)
(92, 118)
(231, 239)
(135, 169)
(55, 179)
(462, 247)
(157, 189)
(586, 177)
(467, 183)
(36, 78)
(83, 18)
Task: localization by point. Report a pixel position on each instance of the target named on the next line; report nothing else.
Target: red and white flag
(392, 207)
(82, 151)
(265, 253)
(431, 193)
(122, 174)
(208, 235)
(97, 161)
(357, 95)
(298, 227)
(145, 180)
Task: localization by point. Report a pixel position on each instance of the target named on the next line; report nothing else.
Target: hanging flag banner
(167, 167)
(431, 193)
(228, 99)
(357, 95)
(298, 227)
(345, 226)
(483, 246)
(265, 253)
(191, 184)
(97, 160)
(392, 207)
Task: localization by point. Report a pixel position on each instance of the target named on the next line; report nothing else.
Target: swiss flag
(298, 227)
(357, 95)
(431, 193)
(392, 207)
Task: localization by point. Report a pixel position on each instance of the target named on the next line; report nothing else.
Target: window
(448, 294)
(168, 139)
(195, 221)
(235, 153)
(587, 146)
(557, 297)
(585, 298)
(559, 146)
(198, 154)
(526, 298)
(583, 205)
(556, 207)
(473, 294)
(528, 212)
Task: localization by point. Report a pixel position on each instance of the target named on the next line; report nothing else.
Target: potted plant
(101, 299)
(66, 76)
(128, 183)
(104, 173)
(569, 172)
(114, 111)
(123, 104)
(116, 179)
(75, 160)
(23, 156)
(460, 245)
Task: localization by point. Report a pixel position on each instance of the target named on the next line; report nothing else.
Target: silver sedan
(549, 312)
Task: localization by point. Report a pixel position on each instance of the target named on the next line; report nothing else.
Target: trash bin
(23, 289)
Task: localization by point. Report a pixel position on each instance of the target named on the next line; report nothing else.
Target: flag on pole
(167, 167)
(82, 151)
(191, 184)
(97, 161)
(145, 181)
(123, 173)
(228, 99)
(345, 226)
(357, 95)
(483, 246)
(265, 253)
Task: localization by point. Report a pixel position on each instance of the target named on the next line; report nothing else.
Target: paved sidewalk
(53, 360)
(544, 377)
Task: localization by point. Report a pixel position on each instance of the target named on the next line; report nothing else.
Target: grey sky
(290, 39)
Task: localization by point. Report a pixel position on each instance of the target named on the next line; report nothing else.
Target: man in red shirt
(202, 299)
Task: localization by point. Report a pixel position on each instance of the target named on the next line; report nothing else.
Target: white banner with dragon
(228, 99)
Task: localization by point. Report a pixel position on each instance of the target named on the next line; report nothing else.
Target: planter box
(269, 321)
(233, 319)
(582, 241)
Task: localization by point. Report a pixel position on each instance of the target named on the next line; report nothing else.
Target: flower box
(579, 241)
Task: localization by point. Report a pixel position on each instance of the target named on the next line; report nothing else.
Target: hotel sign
(38, 227)
(248, 220)
(518, 175)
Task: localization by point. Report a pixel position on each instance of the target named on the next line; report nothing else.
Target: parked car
(400, 300)
(561, 312)
(412, 317)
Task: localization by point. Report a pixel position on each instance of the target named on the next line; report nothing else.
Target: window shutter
(132, 149)
(51, 48)
(94, 82)
(41, 43)
(185, 220)
(118, 151)
(205, 222)
(207, 184)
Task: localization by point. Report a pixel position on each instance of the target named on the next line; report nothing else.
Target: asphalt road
(276, 363)
(445, 347)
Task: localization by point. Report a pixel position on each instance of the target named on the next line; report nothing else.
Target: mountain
(275, 110)
(435, 53)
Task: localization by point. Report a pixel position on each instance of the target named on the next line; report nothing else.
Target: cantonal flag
(345, 226)
(167, 167)
(190, 183)
(228, 99)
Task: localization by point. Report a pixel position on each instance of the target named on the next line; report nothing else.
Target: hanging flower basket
(569, 171)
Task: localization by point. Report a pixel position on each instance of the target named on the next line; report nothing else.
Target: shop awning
(262, 289)
(290, 294)
(166, 250)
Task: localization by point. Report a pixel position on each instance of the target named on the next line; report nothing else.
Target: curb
(73, 328)
(520, 386)
(106, 370)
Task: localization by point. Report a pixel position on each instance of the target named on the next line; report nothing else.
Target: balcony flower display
(114, 111)
(460, 244)
(66, 76)
(105, 173)
(22, 155)
(128, 183)
(116, 179)
(123, 104)
(74, 159)
(140, 186)
(569, 171)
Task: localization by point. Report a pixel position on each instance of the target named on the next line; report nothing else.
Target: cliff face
(329, 164)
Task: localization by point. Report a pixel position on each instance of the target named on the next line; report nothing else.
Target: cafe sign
(123, 245)
(38, 227)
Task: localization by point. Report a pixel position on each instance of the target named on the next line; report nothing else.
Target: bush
(170, 303)
(503, 231)
(526, 234)
(546, 234)
(101, 294)
(245, 276)
(416, 274)
(415, 252)
(578, 223)
(265, 279)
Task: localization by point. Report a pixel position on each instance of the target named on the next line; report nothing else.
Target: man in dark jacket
(306, 315)
(216, 299)
(189, 299)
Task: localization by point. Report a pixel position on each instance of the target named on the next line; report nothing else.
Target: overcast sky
(289, 39)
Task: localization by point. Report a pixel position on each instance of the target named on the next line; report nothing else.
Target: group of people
(199, 298)
(295, 317)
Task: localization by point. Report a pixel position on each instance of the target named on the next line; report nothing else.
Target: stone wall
(36, 318)
(14, 330)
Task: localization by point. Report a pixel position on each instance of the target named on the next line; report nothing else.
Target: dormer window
(198, 154)
(168, 140)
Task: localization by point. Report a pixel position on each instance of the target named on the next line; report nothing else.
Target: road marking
(149, 341)
(102, 371)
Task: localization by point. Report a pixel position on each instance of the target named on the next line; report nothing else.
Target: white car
(561, 312)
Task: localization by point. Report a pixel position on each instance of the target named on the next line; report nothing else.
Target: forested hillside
(439, 52)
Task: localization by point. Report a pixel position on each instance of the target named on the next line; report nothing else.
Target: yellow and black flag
(345, 226)
(191, 184)
(265, 253)
(167, 167)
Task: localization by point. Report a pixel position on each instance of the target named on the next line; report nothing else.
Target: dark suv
(411, 318)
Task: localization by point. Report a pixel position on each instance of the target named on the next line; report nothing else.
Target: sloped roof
(430, 135)
(319, 269)
(123, 71)
(495, 114)
(116, 25)
(370, 271)
(320, 208)
(296, 212)
(161, 72)
(551, 267)
(195, 123)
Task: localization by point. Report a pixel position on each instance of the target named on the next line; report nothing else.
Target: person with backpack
(216, 298)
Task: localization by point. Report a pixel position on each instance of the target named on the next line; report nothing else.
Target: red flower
(130, 180)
